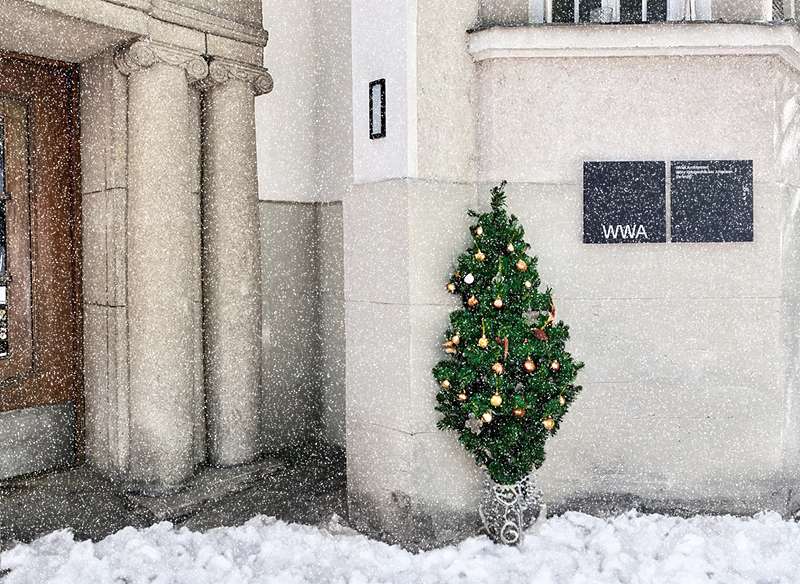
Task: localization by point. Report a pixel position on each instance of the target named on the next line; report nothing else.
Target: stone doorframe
(167, 146)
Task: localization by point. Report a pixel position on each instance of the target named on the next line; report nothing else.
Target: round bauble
(451, 288)
(528, 284)
(555, 366)
(529, 365)
(549, 424)
(519, 412)
(498, 368)
(522, 266)
(562, 400)
(496, 400)
(462, 397)
(445, 384)
(472, 302)
(510, 248)
(479, 231)
(469, 279)
(487, 417)
(456, 339)
(498, 302)
(450, 350)
(480, 256)
(483, 342)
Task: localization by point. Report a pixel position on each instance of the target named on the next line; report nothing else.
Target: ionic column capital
(143, 53)
(221, 71)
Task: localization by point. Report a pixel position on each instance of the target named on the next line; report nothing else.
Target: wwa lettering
(624, 231)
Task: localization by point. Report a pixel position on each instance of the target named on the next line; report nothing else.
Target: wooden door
(40, 302)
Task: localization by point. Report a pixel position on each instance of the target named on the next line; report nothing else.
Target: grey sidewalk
(306, 485)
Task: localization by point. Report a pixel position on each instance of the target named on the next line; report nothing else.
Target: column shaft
(160, 223)
(232, 274)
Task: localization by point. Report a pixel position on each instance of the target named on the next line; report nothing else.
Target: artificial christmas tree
(508, 381)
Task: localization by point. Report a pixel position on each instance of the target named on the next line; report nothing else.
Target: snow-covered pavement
(630, 548)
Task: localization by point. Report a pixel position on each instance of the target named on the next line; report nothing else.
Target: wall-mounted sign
(712, 200)
(377, 109)
(624, 202)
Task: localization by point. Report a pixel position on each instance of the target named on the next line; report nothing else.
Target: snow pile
(631, 548)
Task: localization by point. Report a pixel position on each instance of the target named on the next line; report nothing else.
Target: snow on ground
(630, 548)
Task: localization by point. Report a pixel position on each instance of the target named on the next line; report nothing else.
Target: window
(624, 11)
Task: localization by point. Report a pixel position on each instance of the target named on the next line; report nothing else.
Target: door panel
(39, 109)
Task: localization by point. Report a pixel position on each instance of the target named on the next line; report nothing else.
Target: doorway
(40, 305)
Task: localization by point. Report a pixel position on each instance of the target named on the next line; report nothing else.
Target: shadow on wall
(303, 362)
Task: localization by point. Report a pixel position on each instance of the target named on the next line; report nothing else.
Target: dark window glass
(563, 11)
(586, 7)
(777, 10)
(656, 10)
(631, 10)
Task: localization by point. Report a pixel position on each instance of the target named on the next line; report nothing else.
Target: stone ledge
(669, 39)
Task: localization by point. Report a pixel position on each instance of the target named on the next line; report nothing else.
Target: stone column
(231, 262)
(160, 221)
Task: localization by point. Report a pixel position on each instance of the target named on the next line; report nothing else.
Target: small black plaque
(624, 202)
(712, 200)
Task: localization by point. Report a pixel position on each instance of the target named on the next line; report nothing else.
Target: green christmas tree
(508, 381)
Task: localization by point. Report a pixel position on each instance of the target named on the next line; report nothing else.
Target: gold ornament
(562, 400)
(450, 350)
(479, 231)
(529, 365)
(549, 424)
(555, 366)
(445, 384)
(498, 302)
(498, 368)
(510, 248)
(462, 397)
(528, 284)
(487, 417)
(451, 287)
(480, 256)
(483, 342)
(455, 340)
(496, 400)
(472, 302)
(519, 412)
(522, 266)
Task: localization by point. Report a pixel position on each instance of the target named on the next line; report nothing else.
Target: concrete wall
(303, 323)
(672, 407)
(407, 481)
(303, 126)
(305, 171)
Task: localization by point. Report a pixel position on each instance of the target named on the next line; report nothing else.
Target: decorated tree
(508, 381)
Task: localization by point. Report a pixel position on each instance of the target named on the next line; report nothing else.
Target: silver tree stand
(507, 510)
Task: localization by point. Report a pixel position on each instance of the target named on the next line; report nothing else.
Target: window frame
(541, 11)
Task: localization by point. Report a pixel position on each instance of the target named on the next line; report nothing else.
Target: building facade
(251, 271)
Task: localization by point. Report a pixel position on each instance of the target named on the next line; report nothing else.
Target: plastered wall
(685, 396)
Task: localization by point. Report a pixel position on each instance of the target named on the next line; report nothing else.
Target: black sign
(712, 200)
(624, 202)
